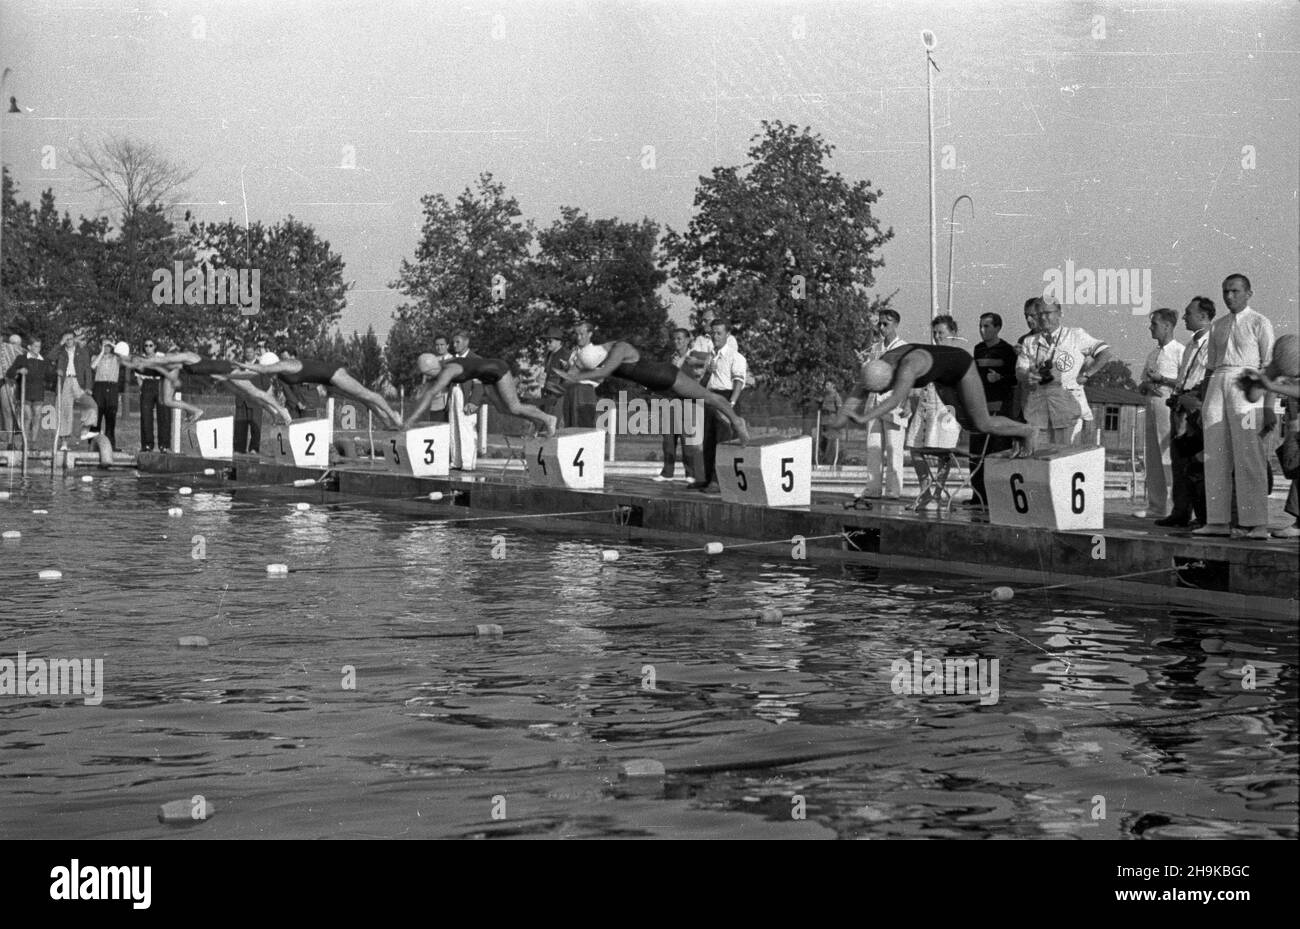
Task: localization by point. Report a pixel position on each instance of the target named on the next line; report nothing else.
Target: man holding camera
(1054, 364)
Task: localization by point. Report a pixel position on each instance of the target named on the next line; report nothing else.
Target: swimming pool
(1109, 720)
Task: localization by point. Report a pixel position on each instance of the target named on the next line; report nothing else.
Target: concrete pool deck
(1231, 578)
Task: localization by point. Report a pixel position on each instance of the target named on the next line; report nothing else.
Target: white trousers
(464, 434)
(1159, 471)
(884, 458)
(1234, 453)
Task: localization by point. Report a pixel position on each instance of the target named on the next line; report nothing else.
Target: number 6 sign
(1062, 489)
(769, 472)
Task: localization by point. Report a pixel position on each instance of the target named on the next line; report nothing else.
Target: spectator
(579, 407)
(151, 407)
(828, 445)
(681, 349)
(1282, 376)
(109, 385)
(462, 411)
(10, 351)
(1158, 377)
(995, 360)
(554, 358)
(72, 368)
(1233, 424)
(725, 376)
(32, 375)
(933, 425)
(1054, 364)
(885, 437)
(1020, 391)
(248, 417)
(1186, 442)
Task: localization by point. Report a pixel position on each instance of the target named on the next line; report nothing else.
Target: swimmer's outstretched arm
(280, 367)
(176, 358)
(898, 393)
(427, 394)
(618, 352)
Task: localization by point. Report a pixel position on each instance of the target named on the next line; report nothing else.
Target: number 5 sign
(770, 472)
(1063, 489)
(573, 458)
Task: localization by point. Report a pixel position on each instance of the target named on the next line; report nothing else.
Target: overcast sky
(1160, 138)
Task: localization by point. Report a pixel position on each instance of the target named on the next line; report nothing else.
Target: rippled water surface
(1111, 720)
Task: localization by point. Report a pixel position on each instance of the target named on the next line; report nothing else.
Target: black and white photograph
(650, 419)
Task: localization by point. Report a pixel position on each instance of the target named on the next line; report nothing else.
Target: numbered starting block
(304, 443)
(423, 452)
(216, 437)
(573, 458)
(1055, 489)
(353, 447)
(769, 472)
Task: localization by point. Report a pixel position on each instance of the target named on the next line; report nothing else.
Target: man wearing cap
(109, 384)
(885, 444)
(556, 357)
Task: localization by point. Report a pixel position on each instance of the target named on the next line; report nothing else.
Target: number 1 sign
(1060, 489)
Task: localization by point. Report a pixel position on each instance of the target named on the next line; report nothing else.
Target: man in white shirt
(580, 398)
(885, 436)
(725, 376)
(1185, 440)
(462, 413)
(1055, 362)
(1158, 374)
(1234, 453)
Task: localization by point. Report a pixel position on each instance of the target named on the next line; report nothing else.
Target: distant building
(1117, 417)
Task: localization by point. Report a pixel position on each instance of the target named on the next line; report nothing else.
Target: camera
(1045, 373)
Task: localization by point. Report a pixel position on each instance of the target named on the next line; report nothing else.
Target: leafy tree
(364, 359)
(602, 270)
(404, 345)
(469, 272)
(785, 250)
(1115, 374)
(302, 291)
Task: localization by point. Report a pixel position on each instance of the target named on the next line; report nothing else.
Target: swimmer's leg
(692, 390)
(349, 385)
(262, 398)
(169, 384)
(971, 392)
(504, 395)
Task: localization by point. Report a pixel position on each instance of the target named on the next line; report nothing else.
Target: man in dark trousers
(995, 361)
(151, 408)
(556, 357)
(248, 417)
(109, 385)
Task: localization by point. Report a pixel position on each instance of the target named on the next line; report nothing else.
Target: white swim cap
(268, 358)
(428, 364)
(876, 375)
(592, 356)
(122, 349)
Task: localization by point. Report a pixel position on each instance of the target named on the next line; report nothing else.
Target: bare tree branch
(135, 174)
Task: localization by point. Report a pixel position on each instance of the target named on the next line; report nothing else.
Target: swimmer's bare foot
(1025, 446)
(552, 424)
(742, 431)
(192, 418)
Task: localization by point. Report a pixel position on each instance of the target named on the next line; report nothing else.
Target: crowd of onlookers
(1207, 436)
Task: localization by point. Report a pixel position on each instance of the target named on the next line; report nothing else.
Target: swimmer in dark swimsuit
(952, 371)
(310, 371)
(223, 372)
(492, 373)
(622, 359)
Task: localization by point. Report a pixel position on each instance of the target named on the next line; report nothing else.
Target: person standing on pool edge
(492, 373)
(328, 374)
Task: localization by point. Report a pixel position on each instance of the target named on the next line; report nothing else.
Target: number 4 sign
(573, 458)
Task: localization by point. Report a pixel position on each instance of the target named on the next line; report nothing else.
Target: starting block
(216, 437)
(304, 443)
(573, 458)
(769, 472)
(1063, 488)
(422, 452)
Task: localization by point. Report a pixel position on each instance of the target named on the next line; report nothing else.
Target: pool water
(1111, 720)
